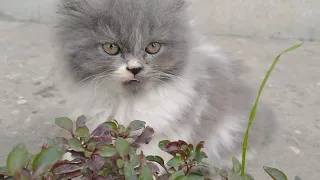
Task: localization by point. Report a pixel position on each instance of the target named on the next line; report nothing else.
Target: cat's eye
(153, 48)
(111, 49)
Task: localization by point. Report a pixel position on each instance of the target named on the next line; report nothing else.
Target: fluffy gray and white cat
(143, 59)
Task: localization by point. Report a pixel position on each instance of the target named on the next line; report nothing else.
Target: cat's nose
(134, 70)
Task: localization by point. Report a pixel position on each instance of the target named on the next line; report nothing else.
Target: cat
(146, 60)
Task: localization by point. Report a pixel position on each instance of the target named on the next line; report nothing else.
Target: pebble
(295, 149)
(22, 102)
(15, 112)
(297, 132)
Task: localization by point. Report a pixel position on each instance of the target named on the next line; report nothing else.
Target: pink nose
(135, 70)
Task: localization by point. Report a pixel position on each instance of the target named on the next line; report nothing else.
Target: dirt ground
(29, 101)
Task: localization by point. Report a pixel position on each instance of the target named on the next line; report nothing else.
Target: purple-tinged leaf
(67, 168)
(145, 137)
(96, 163)
(70, 175)
(17, 159)
(81, 121)
(99, 177)
(25, 175)
(153, 167)
(163, 144)
(101, 130)
(102, 140)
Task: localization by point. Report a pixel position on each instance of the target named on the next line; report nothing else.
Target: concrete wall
(252, 18)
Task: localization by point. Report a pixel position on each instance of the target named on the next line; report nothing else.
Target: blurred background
(251, 31)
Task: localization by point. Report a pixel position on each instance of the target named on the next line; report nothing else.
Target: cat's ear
(69, 7)
(179, 5)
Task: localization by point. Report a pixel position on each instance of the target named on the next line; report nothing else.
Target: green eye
(153, 48)
(111, 49)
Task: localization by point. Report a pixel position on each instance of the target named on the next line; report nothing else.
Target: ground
(29, 101)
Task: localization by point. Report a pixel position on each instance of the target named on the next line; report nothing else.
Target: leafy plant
(110, 152)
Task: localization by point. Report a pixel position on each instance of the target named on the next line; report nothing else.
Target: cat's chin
(134, 86)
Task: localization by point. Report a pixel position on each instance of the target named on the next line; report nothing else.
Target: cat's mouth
(132, 82)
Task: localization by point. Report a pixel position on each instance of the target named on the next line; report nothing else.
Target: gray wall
(252, 18)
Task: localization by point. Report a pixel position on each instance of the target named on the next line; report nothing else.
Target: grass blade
(254, 108)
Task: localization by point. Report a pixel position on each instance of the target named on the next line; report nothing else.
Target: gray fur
(217, 97)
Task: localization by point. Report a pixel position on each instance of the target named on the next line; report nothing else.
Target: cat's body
(186, 91)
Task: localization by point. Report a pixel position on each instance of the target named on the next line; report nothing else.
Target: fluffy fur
(186, 91)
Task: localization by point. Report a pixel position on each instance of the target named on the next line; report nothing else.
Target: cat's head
(131, 44)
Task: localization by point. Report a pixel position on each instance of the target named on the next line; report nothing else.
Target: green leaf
(247, 177)
(135, 160)
(120, 163)
(234, 176)
(297, 178)
(275, 173)
(113, 125)
(65, 123)
(30, 162)
(58, 142)
(129, 171)
(87, 154)
(75, 144)
(162, 144)
(3, 171)
(82, 132)
(156, 159)
(236, 165)
(122, 146)
(254, 108)
(136, 125)
(121, 129)
(221, 173)
(91, 146)
(196, 176)
(200, 155)
(45, 159)
(176, 174)
(175, 161)
(107, 151)
(17, 159)
(146, 173)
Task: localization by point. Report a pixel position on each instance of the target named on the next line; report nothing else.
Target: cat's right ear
(72, 7)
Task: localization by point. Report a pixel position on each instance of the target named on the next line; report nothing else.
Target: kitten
(143, 59)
